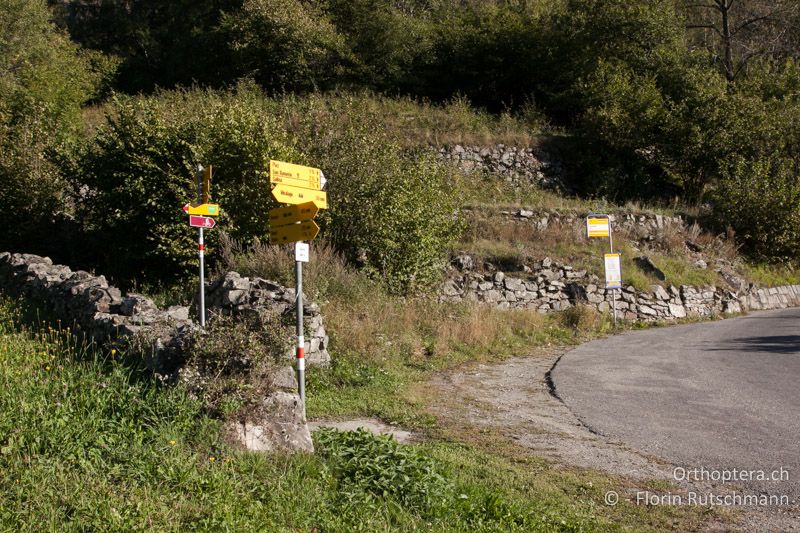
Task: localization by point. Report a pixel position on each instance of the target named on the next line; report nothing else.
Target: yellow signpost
(295, 175)
(288, 194)
(293, 213)
(303, 231)
(206, 210)
(300, 187)
(597, 226)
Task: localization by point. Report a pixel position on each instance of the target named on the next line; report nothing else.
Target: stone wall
(235, 295)
(88, 304)
(519, 166)
(640, 223)
(552, 286)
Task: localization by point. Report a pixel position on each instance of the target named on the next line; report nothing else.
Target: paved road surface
(719, 395)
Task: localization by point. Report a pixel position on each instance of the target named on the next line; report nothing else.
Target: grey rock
(285, 429)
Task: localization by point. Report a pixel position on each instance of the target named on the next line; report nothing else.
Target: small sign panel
(291, 214)
(597, 226)
(207, 210)
(201, 222)
(286, 194)
(301, 252)
(303, 231)
(613, 271)
(295, 175)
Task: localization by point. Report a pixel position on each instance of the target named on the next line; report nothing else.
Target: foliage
(371, 469)
(139, 170)
(284, 45)
(44, 79)
(390, 214)
(231, 362)
(760, 199)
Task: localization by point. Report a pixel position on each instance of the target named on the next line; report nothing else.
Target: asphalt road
(719, 395)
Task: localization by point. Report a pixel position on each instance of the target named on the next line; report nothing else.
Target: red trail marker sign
(202, 222)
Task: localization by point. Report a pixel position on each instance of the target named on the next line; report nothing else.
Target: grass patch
(772, 275)
(88, 443)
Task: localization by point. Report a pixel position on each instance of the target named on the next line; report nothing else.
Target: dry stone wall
(551, 286)
(520, 166)
(641, 223)
(236, 295)
(102, 313)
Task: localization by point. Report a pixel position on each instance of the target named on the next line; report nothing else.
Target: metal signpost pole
(201, 249)
(613, 291)
(301, 342)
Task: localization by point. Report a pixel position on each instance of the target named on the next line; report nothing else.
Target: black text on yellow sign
(301, 231)
(287, 194)
(291, 214)
(295, 175)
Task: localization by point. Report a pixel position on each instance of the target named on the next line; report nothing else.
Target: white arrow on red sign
(201, 222)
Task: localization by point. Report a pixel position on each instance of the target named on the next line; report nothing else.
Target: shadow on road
(772, 344)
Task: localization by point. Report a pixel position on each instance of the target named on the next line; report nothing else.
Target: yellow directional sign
(304, 231)
(295, 175)
(597, 226)
(206, 210)
(292, 214)
(286, 194)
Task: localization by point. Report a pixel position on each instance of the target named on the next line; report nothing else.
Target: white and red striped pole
(201, 251)
(301, 342)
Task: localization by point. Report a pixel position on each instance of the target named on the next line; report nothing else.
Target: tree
(736, 31)
(44, 80)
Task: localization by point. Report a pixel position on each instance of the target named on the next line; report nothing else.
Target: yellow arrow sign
(292, 214)
(304, 231)
(295, 175)
(206, 210)
(286, 194)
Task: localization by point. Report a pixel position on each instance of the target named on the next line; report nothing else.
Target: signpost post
(200, 214)
(600, 226)
(300, 187)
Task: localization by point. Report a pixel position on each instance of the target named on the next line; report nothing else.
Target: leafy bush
(760, 199)
(391, 212)
(284, 44)
(370, 470)
(44, 79)
(139, 170)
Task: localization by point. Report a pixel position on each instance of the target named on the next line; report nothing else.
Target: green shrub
(284, 44)
(760, 199)
(391, 212)
(44, 79)
(139, 169)
(370, 470)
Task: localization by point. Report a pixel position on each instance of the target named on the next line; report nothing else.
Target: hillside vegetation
(651, 100)
(108, 106)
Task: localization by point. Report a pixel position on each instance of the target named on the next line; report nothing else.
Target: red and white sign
(202, 222)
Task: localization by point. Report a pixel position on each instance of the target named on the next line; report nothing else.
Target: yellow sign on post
(597, 226)
(304, 231)
(206, 210)
(286, 194)
(293, 213)
(295, 175)
(613, 272)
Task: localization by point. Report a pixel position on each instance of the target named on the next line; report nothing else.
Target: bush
(44, 79)
(139, 170)
(284, 44)
(760, 199)
(392, 213)
(372, 470)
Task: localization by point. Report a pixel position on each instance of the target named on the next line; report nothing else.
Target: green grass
(88, 443)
